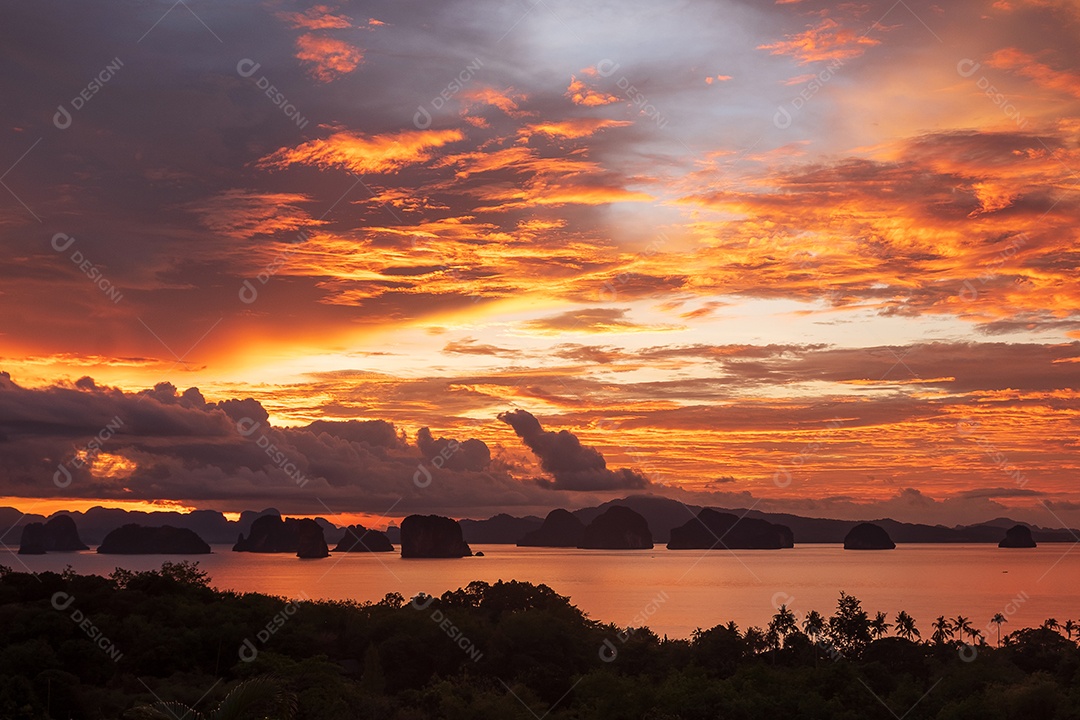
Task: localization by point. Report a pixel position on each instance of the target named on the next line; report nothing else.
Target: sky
(369, 259)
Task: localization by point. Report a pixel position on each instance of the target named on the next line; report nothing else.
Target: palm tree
(241, 703)
(783, 623)
(1051, 624)
(905, 626)
(879, 626)
(997, 620)
(943, 630)
(813, 625)
(962, 626)
(1069, 627)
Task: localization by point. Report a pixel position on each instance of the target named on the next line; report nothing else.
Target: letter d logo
(967, 67)
(422, 477)
(422, 604)
(782, 118)
(422, 118)
(606, 67)
(247, 651)
(248, 293)
(246, 426)
(62, 477)
(62, 241)
(247, 67)
(62, 601)
(62, 118)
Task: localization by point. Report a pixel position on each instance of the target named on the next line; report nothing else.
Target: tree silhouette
(879, 626)
(814, 627)
(849, 626)
(998, 619)
(905, 626)
(783, 623)
(1051, 624)
(943, 630)
(962, 626)
(1069, 627)
(755, 640)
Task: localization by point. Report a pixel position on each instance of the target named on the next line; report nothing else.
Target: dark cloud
(999, 492)
(164, 445)
(471, 454)
(377, 433)
(572, 465)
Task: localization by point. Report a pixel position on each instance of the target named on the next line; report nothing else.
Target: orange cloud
(969, 224)
(1043, 75)
(317, 17)
(364, 154)
(576, 128)
(329, 58)
(581, 94)
(505, 100)
(825, 42)
(243, 214)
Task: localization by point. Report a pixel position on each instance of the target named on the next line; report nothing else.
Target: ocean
(672, 592)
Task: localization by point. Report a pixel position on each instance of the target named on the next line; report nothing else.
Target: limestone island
(270, 534)
(868, 536)
(617, 528)
(58, 534)
(312, 541)
(432, 536)
(561, 528)
(1018, 536)
(712, 529)
(135, 539)
(358, 538)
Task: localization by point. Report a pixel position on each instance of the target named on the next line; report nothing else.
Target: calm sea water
(672, 592)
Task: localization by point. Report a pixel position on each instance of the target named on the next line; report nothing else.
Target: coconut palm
(998, 619)
(879, 626)
(905, 626)
(943, 630)
(962, 626)
(1051, 624)
(241, 703)
(1069, 627)
(813, 625)
(783, 623)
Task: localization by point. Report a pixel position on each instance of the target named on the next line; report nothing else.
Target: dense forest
(165, 644)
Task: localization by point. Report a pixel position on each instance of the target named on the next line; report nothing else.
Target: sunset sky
(804, 257)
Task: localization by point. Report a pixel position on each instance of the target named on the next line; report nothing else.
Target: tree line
(182, 649)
